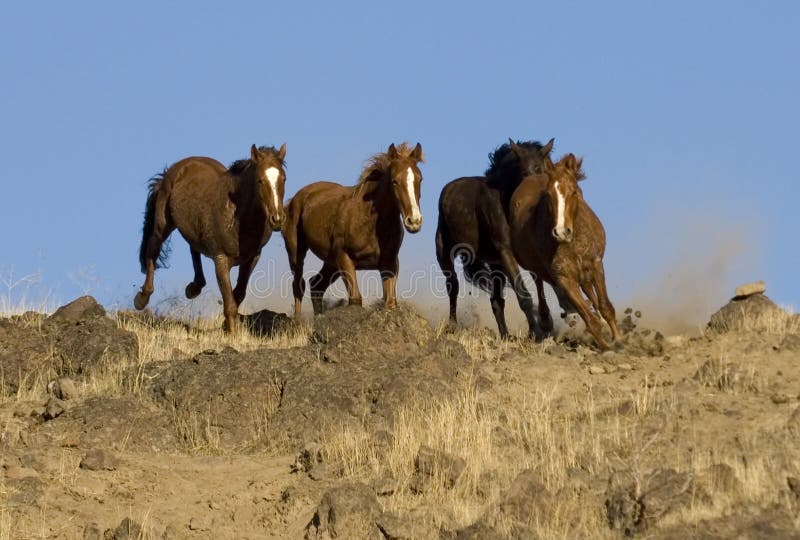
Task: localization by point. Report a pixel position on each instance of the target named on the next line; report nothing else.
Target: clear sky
(686, 114)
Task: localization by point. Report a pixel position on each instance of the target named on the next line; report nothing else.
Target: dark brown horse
(558, 237)
(355, 228)
(227, 214)
(473, 225)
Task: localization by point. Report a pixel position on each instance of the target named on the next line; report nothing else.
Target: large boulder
(75, 341)
(346, 511)
(363, 365)
(756, 312)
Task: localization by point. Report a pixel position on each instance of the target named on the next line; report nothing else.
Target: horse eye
(538, 169)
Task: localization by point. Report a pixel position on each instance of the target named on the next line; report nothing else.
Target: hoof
(140, 300)
(193, 290)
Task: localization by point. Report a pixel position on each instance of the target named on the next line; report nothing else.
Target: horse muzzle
(276, 220)
(413, 225)
(562, 234)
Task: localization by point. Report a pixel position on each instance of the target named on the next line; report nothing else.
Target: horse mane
(380, 161)
(241, 165)
(496, 158)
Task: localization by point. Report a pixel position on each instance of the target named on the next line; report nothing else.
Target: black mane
(497, 157)
(240, 165)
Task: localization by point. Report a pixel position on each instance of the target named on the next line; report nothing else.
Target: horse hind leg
(320, 283)
(445, 255)
(194, 288)
(156, 231)
(498, 302)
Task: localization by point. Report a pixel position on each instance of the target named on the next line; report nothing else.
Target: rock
(346, 511)
(295, 396)
(53, 409)
(201, 523)
(721, 477)
(434, 464)
(127, 530)
(99, 460)
(15, 472)
(395, 527)
(794, 486)
(624, 366)
(724, 376)
(527, 500)
(25, 491)
(92, 531)
(64, 388)
(793, 424)
(790, 343)
(266, 323)
(308, 458)
(80, 308)
(749, 289)
(596, 370)
(663, 491)
(480, 531)
(384, 486)
(750, 313)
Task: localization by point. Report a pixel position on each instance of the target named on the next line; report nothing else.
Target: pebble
(596, 370)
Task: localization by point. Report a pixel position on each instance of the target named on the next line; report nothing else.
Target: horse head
(565, 195)
(406, 179)
(270, 177)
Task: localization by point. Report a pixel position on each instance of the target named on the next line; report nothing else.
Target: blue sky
(686, 114)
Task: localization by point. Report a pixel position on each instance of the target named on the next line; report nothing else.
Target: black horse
(473, 226)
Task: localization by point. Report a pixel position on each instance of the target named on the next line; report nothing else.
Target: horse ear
(253, 152)
(546, 149)
(282, 152)
(579, 174)
(417, 153)
(392, 151)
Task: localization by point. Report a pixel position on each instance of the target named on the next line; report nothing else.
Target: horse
(355, 228)
(473, 226)
(227, 214)
(557, 236)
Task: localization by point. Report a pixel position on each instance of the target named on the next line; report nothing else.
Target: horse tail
(154, 222)
(476, 271)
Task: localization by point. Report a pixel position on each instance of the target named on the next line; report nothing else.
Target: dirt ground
(373, 424)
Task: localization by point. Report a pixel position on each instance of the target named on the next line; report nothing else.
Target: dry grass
(6, 531)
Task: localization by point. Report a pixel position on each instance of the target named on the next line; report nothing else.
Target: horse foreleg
(389, 282)
(222, 266)
(348, 269)
(606, 308)
(245, 270)
(509, 265)
(319, 284)
(572, 289)
(545, 319)
(194, 288)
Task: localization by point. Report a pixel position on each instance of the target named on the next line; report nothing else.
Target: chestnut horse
(473, 226)
(558, 237)
(355, 228)
(227, 214)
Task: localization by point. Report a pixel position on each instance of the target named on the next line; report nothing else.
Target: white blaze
(415, 214)
(560, 209)
(272, 175)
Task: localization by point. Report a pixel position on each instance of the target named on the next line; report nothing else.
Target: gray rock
(663, 491)
(92, 531)
(346, 511)
(80, 308)
(99, 460)
(739, 314)
(53, 409)
(64, 388)
(749, 289)
(395, 527)
(430, 464)
(527, 500)
(127, 530)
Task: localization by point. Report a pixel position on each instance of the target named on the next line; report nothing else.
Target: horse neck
(378, 196)
(248, 198)
(505, 182)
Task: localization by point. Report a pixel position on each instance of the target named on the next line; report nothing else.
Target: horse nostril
(555, 232)
(569, 232)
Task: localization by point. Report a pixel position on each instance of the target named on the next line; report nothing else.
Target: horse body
(473, 225)
(355, 227)
(227, 214)
(559, 238)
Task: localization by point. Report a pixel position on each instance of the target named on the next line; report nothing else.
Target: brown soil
(373, 424)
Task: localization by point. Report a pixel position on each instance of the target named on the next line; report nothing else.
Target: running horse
(227, 214)
(559, 239)
(355, 227)
(473, 226)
